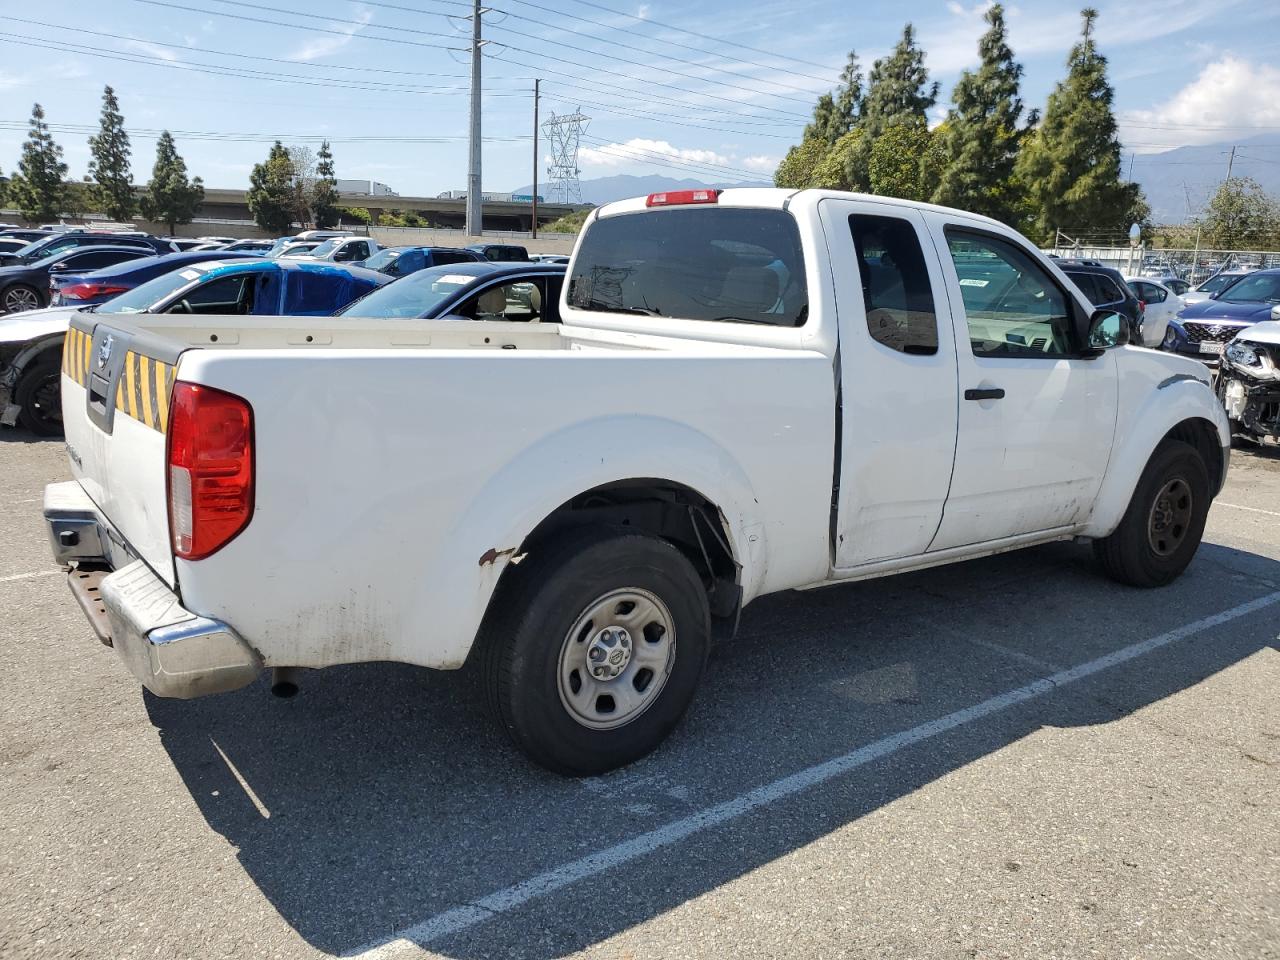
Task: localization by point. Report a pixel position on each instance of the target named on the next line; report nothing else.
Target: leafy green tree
(359, 214)
(271, 192)
(1071, 164)
(904, 160)
(569, 223)
(1241, 216)
(808, 164)
(79, 197)
(37, 189)
(799, 167)
(109, 166)
(982, 137)
(171, 198)
(898, 90)
(324, 195)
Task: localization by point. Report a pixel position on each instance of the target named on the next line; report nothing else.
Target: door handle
(985, 393)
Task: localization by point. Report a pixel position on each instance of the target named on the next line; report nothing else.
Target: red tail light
(674, 197)
(87, 291)
(210, 469)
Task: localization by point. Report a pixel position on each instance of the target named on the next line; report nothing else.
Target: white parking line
(407, 941)
(1237, 506)
(29, 576)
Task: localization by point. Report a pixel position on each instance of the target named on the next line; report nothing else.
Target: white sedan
(1160, 304)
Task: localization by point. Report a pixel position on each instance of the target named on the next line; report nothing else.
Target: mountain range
(1178, 183)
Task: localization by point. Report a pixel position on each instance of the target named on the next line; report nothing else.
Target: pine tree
(171, 198)
(37, 189)
(109, 166)
(980, 139)
(1071, 164)
(898, 91)
(270, 195)
(324, 198)
(808, 164)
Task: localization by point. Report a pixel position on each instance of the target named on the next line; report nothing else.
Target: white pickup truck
(751, 391)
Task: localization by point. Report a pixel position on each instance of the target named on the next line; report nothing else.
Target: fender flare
(482, 538)
(1177, 400)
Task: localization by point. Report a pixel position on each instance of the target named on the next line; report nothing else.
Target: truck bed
(399, 464)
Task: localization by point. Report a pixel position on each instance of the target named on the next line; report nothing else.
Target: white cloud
(642, 151)
(153, 50)
(643, 11)
(762, 162)
(322, 45)
(1229, 98)
(9, 81)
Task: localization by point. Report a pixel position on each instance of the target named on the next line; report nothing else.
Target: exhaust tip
(284, 682)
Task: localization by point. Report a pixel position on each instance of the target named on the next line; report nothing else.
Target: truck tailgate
(116, 383)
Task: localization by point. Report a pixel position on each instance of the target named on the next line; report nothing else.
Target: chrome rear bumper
(172, 651)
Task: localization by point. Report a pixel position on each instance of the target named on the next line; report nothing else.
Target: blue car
(250, 287)
(511, 292)
(402, 261)
(1202, 330)
(89, 288)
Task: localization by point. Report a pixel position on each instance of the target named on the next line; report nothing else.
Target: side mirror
(58, 267)
(1275, 312)
(1106, 329)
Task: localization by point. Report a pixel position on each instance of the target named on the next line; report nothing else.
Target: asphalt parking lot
(1009, 758)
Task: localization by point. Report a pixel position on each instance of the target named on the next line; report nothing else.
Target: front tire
(595, 647)
(39, 396)
(1162, 527)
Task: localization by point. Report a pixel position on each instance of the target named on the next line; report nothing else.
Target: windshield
(143, 296)
(417, 295)
(276, 248)
(299, 250)
(382, 259)
(1220, 282)
(1255, 288)
(325, 248)
(32, 250)
(708, 263)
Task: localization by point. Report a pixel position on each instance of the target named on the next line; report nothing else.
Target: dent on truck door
(898, 381)
(1036, 420)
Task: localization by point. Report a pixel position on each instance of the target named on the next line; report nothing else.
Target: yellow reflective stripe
(162, 395)
(87, 358)
(144, 364)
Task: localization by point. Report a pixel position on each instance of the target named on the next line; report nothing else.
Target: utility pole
(533, 225)
(475, 225)
(1231, 161)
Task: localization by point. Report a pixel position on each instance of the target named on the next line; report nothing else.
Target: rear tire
(39, 396)
(20, 297)
(1162, 527)
(627, 607)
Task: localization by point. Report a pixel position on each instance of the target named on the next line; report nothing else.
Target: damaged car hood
(1266, 332)
(34, 324)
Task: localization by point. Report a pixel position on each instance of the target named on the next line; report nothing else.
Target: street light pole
(533, 226)
(475, 225)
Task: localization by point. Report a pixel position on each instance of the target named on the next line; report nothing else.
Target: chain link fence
(1194, 265)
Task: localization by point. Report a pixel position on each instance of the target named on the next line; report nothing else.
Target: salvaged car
(748, 391)
(1249, 380)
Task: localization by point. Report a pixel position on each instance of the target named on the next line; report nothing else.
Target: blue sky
(716, 90)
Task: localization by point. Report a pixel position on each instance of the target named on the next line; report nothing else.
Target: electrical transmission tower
(565, 133)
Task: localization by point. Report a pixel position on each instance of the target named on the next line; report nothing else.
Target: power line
(242, 73)
(626, 46)
(151, 133)
(542, 55)
(691, 33)
(643, 154)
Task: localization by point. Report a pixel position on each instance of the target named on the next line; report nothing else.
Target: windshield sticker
(457, 278)
(974, 283)
(190, 274)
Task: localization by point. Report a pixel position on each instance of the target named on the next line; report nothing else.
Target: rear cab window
(715, 264)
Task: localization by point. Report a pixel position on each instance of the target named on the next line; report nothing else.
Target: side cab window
(1012, 305)
(895, 284)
